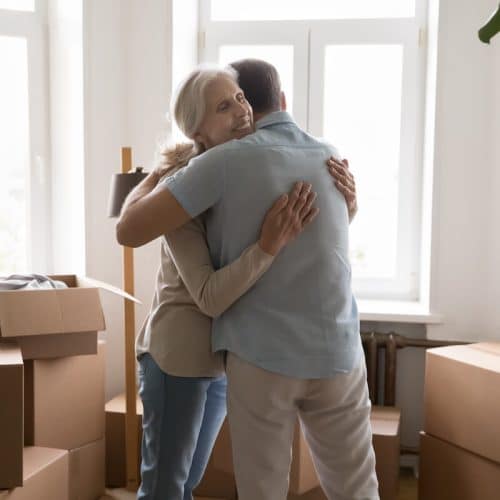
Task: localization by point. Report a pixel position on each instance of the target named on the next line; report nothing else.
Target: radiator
(390, 342)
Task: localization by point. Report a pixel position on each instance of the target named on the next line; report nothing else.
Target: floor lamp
(121, 185)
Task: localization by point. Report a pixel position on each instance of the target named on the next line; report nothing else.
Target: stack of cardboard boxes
(460, 445)
(52, 392)
(219, 481)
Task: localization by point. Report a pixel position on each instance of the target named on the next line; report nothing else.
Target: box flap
(91, 282)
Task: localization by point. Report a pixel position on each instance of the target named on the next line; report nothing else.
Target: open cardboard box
(50, 323)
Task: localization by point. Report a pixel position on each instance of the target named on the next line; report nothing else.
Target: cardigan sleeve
(213, 291)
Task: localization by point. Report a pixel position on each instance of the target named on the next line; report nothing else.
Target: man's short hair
(261, 84)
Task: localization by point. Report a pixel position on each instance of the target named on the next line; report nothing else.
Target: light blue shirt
(300, 319)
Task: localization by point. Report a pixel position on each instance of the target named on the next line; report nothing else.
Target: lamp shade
(121, 185)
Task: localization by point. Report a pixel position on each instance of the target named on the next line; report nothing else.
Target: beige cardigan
(189, 292)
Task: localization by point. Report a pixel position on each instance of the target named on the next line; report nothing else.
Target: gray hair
(188, 104)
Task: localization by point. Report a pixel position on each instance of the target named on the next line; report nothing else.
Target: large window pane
(14, 154)
(24, 5)
(362, 117)
(259, 10)
(280, 56)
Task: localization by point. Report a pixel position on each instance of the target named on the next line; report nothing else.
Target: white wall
(128, 84)
(465, 271)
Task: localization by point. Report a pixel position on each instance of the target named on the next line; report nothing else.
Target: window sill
(397, 312)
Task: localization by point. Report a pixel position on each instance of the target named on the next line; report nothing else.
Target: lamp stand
(131, 435)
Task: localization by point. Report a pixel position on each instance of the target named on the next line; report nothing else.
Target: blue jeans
(182, 417)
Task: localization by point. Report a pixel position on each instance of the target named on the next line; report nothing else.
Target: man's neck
(258, 116)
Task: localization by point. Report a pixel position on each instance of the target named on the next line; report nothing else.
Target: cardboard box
(385, 422)
(86, 471)
(448, 472)
(64, 401)
(11, 416)
(45, 476)
(461, 403)
(44, 312)
(116, 475)
(42, 318)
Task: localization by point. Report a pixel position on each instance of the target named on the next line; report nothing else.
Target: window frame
(32, 26)
(315, 35)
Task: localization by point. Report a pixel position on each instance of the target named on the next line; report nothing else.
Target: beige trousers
(335, 418)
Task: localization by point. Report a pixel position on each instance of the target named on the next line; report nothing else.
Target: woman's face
(228, 114)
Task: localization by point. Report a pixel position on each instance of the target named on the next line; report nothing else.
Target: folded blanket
(29, 281)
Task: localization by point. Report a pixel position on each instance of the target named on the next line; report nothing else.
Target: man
(293, 340)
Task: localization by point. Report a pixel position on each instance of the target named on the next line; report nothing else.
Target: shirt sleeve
(200, 184)
(213, 291)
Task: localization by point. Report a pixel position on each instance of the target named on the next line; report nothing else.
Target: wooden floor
(407, 491)
(408, 484)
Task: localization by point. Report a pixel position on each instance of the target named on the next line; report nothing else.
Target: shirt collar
(273, 118)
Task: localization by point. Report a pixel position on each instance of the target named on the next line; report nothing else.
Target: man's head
(262, 86)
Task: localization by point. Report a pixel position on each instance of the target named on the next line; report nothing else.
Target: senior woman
(182, 383)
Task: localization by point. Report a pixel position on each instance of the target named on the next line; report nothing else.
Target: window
(353, 72)
(23, 125)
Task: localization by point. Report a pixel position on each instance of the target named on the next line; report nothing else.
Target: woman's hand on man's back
(287, 218)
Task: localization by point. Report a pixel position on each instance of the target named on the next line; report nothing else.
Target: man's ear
(282, 101)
